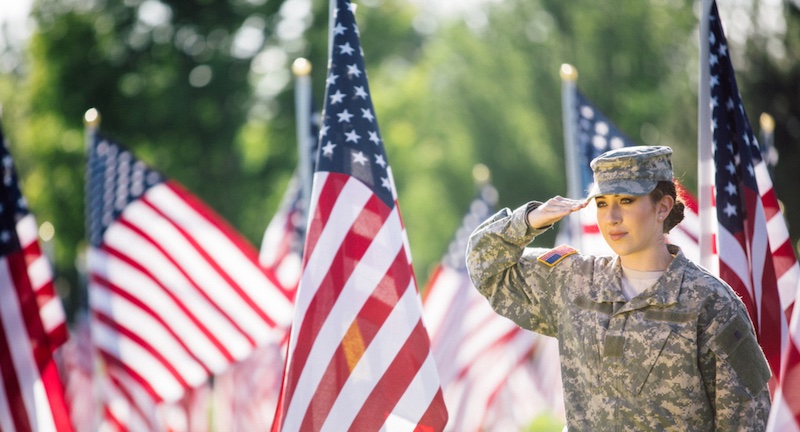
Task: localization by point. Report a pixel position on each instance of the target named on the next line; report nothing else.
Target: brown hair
(667, 188)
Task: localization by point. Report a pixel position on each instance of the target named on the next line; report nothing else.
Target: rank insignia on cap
(555, 255)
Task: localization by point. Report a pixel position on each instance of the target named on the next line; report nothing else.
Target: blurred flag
(755, 254)
(359, 355)
(32, 321)
(175, 294)
(79, 377)
(593, 134)
(477, 350)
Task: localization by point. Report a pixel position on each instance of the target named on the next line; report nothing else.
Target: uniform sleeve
(505, 272)
(735, 371)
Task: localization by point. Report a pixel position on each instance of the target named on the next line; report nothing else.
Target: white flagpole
(569, 75)
(302, 102)
(705, 162)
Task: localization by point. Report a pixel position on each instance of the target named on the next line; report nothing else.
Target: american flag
(755, 254)
(175, 294)
(594, 135)
(359, 355)
(32, 320)
(476, 350)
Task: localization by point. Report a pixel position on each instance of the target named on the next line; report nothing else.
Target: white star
(337, 97)
(723, 50)
(714, 102)
(730, 210)
(379, 160)
(353, 70)
(359, 158)
(713, 59)
(385, 183)
(712, 38)
(751, 171)
(346, 49)
(5, 236)
(729, 104)
(714, 81)
(327, 150)
(339, 29)
(352, 136)
(344, 116)
(367, 114)
(731, 189)
(373, 136)
(731, 169)
(331, 78)
(360, 92)
(324, 130)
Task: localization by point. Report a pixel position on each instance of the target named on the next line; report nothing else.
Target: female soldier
(648, 340)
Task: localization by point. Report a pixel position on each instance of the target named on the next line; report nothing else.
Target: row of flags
(324, 328)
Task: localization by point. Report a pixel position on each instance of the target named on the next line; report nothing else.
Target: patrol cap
(631, 170)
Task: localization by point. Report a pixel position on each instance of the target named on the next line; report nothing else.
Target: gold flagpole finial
(301, 67)
(767, 123)
(92, 118)
(481, 174)
(568, 72)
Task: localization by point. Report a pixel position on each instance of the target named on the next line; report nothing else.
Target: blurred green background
(202, 90)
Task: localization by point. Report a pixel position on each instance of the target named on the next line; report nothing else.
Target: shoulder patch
(555, 255)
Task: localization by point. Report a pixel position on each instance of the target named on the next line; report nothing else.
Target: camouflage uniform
(681, 356)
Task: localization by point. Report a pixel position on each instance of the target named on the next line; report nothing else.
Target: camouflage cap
(631, 170)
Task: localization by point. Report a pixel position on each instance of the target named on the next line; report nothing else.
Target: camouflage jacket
(681, 356)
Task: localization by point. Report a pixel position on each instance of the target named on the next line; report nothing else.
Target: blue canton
(115, 180)
(350, 142)
(736, 150)
(13, 206)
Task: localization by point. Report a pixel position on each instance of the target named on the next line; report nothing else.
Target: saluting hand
(554, 210)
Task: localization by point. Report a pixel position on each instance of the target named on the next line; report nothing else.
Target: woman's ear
(664, 206)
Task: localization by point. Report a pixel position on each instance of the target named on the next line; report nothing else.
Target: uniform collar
(608, 287)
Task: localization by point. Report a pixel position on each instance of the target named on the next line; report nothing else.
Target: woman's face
(630, 224)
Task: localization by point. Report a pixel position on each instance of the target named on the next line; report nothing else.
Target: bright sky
(14, 13)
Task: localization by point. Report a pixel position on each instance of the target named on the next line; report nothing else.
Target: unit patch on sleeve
(555, 255)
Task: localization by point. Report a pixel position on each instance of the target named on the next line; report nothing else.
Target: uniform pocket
(737, 345)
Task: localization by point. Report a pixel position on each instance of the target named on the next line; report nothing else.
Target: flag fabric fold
(32, 320)
(175, 294)
(477, 350)
(359, 354)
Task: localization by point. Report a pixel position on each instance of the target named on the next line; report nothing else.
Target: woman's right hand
(553, 210)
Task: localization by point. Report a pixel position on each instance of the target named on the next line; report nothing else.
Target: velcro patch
(555, 255)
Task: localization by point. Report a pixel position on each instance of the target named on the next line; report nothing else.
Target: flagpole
(302, 102)
(91, 123)
(331, 24)
(705, 162)
(569, 75)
